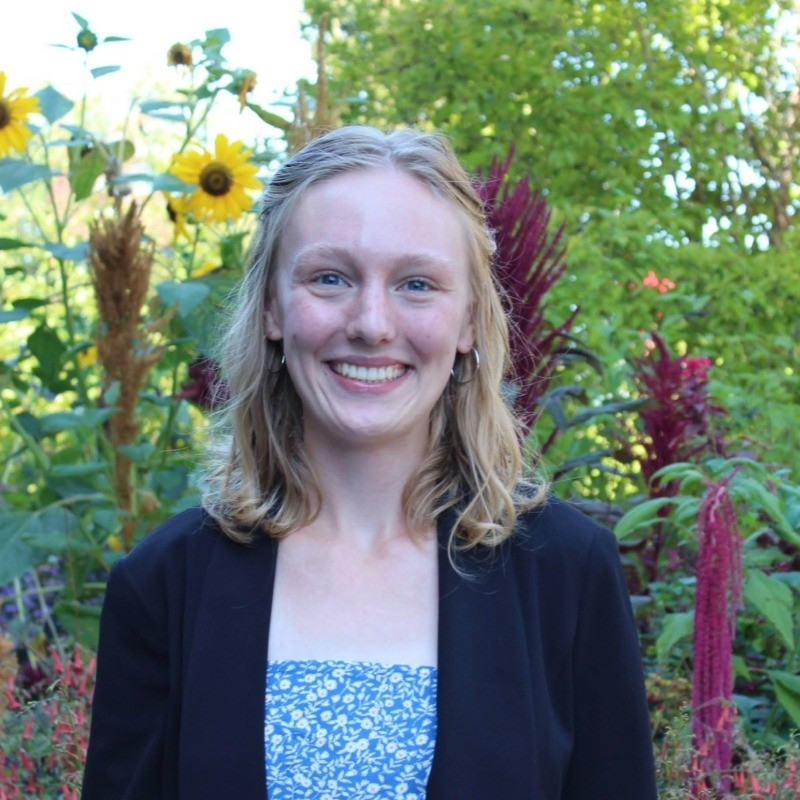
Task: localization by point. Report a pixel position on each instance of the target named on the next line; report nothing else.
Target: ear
(466, 336)
(272, 321)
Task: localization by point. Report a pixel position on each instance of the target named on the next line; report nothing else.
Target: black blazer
(540, 690)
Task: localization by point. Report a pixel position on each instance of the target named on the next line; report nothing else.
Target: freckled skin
(372, 271)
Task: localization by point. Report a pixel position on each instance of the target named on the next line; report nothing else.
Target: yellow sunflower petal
(18, 134)
(205, 269)
(24, 105)
(2, 83)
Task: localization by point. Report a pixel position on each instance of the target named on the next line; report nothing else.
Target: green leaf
(166, 182)
(606, 408)
(78, 470)
(111, 395)
(773, 600)
(66, 420)
(740, 668)
(187, 296)
(791, 579)
(682, 471)
(87, 170)
(15, 173)
(139, 453)
(169, 116)
(643, 515)
(80, 20)
(81, 621)
(218, 36)
(98, 72)
(106, 518)
(30, 303)
(16, 556)
(270, 117)
(57, 422)
(676, 628)
(53, 104)
(48, 349)
(13, 314)
(146, 106)
(787, 690)
(76, 253)
(761, 497)
(116, 39)
(12, 244)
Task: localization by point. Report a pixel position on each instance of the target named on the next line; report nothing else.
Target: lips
(365, 374)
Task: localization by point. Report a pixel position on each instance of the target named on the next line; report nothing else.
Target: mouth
(368, 374)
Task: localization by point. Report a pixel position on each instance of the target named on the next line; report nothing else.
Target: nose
(371, 316)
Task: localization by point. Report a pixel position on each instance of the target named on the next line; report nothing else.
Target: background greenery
(664, 139)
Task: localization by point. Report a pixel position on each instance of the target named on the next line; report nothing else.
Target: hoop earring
(280, 366)
(473, 372)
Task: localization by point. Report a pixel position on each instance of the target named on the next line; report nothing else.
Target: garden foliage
(644, 215)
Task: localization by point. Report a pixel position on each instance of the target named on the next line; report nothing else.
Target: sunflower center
(216, 179)
(5, 114)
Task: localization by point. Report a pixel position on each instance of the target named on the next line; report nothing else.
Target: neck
(362, 489)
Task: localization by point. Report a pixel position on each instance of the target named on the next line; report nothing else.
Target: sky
(265, 38)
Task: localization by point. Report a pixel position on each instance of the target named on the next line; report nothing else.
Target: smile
(368, 374)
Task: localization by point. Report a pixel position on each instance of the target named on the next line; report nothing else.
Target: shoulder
(557, 546)
(555, 525)
(170, 560)
(191, 530)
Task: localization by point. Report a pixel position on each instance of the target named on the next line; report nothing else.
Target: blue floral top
(342, 730)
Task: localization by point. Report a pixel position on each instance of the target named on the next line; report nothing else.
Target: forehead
(384, 212)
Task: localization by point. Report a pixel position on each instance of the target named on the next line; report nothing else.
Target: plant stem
(48, 617)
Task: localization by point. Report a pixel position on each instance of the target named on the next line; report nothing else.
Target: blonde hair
(259, 477)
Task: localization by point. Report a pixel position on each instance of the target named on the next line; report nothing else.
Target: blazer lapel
(485, 741)
(222, 736)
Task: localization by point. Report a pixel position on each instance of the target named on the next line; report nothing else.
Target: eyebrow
(421, 258)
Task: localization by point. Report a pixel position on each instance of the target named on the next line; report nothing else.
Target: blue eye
(418, 285)
(329, 279)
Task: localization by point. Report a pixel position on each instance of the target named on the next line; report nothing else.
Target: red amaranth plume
(719, 594)
(204, 387)
(676, 426)
(676, 420)
(527, 264)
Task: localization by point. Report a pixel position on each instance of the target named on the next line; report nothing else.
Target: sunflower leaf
(15, 173)
(13, 315)
(146, 106)
(187, 296)
(88, 169)
(76, 253)
(80, 20)
(53, 104)
(98, 72)
(167, 182)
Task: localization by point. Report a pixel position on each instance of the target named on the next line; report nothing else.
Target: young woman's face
(372, 302)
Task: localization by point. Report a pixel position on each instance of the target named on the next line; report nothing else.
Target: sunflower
(221, 179)
(14, 110)
(205, 269)
(178, 206)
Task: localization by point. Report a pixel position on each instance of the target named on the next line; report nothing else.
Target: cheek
(309, 325)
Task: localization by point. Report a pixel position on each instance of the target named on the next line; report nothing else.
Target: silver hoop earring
(280, 366)
(476, 356)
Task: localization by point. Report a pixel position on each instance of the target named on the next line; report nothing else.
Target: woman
(373, 601)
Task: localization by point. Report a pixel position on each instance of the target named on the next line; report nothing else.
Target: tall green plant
(116, 260)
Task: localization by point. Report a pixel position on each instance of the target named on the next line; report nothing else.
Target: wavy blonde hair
(259, 477)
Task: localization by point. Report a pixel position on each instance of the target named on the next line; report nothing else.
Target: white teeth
(368, 374)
